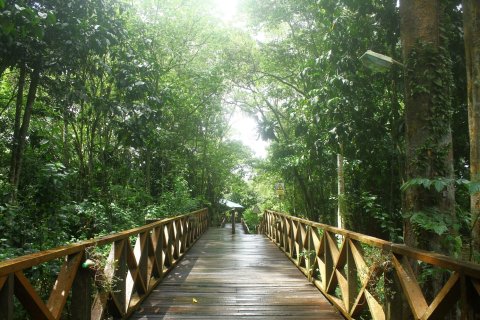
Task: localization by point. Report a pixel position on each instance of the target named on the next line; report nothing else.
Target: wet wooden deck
(239, 276)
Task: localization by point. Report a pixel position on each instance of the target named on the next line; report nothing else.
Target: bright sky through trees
(243, 127)
(226, 9)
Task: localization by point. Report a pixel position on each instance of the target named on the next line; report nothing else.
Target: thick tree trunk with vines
(471, 11)
(427, 119)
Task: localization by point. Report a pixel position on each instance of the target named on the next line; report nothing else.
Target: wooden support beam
(445, 300)
(81, 304)
(6, 297)
(63, 284)
(30, 299)
(119, 265)
(352, 272)
(410, 286)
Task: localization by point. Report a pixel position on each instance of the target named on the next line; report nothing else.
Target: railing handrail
(246, 229)
(339, 263)
(437, 259)
(132, 271)
(36, 258)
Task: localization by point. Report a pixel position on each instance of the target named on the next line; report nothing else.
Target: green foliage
(375, 219)
(440, 183)
(252, 219)
(325, 101)
(130, 118)
(175, 202)
(127, 124)
(431, 221)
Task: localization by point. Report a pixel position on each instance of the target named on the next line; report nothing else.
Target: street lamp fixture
(378, 62)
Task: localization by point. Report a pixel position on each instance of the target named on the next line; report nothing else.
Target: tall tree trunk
(17, 154)
(341, 189)
(3, 66)
(427, 119)
(471, 14)
(148, 170)
(16, 125)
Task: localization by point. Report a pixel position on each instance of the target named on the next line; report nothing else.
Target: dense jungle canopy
(112, 111)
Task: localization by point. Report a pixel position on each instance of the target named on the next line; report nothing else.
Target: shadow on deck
(239, 276)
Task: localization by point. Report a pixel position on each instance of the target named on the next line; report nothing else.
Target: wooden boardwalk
(239, 276)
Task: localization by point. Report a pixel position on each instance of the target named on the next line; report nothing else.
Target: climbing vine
(429, 70)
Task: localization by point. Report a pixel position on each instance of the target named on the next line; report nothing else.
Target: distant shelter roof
(230, 204)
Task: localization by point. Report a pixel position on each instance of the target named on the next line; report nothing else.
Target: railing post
(329, 261)
(310, 262)
(141, 255)
(120, 274)
(394, 303)
(81, 304)
(352, 272)
(6, 297)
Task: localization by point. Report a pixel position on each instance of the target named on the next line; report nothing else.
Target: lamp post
(378, 62)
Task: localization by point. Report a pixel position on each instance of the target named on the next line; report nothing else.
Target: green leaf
(8, 27)
(439, 228)
(426, 183)
(473, 187)
(439, 185)
(19, 8)
(462, 181)
(51, 19)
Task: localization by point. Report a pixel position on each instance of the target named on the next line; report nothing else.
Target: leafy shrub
(251, 219)
(174, 202)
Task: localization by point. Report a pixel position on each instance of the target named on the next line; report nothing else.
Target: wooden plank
(264, 285)
(356, 251)
(394, 307)
(3, 280)
(332, 246)
(141, 256)
(99, 305)
(6, 297)
(119, 277)
(24, 262)
(63, 284)
(106, 297)
(168, 245)
(338, 265)
(81, 303)
(375, 307)
(359, 304)
(343, 285)
(352, 271)
(410, 287)
(476, 285)
(445, 299)
(156, 252)
(134, 270)
(30, 299)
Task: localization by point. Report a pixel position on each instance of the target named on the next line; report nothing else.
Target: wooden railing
(91, 286)
(246, 230)
(370, 277)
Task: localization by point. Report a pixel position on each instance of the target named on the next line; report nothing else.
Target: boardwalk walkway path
(239, 276)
